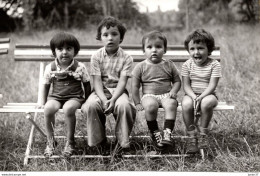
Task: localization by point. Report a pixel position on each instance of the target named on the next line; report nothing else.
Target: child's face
(65, 54)
(198, 52)
(154, 50)
(110, 38)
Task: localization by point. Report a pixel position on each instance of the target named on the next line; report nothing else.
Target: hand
(110, 104)
(173, 95)
(40, 106)
(104, 104)
(197, 102)
(139, 107)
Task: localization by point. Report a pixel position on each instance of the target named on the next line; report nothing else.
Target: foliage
(216, 12)
(51, 14)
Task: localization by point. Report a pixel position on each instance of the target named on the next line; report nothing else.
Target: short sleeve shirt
(80, 73)
(200, 75)
(156, 78)
(110, 68)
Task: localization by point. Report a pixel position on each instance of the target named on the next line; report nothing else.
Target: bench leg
(31, 137)
(29, 117)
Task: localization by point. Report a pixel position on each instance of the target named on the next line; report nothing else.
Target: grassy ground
(235, 141)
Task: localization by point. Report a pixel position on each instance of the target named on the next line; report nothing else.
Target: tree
(243, 10)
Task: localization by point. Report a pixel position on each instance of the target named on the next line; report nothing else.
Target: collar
(59, 67)
(116, 54)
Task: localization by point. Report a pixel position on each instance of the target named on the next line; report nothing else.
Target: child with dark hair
(110, 70)
(65, 85)
(200, 76)
(160, 83)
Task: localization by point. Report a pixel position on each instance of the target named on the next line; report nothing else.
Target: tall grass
(235, 138)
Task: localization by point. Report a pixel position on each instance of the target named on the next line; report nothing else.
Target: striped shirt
(200, 75)
(110, 68)
(80, 73)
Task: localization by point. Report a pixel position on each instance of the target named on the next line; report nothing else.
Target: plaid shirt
(110, 68)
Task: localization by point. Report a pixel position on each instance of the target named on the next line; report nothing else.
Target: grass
(236, 139)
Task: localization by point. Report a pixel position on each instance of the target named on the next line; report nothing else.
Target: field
(236, 137)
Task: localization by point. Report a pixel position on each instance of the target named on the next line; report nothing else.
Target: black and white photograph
(162, 87)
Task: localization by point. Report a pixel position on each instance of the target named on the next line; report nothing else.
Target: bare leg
(69, 109)
(170, 107)
(50, 108)
(151, 106)
(207, 105)
(188, 113)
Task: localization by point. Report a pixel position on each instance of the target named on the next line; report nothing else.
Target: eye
(69, 48)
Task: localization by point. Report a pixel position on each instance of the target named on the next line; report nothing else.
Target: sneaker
(167, 137)
(69, 149)
(50, 148)
(203, 142)
(157, 139)
(192, 146)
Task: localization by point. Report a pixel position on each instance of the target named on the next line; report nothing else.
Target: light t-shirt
(156, 78)
(200, 75)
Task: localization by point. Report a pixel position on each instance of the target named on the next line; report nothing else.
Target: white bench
(42, 53)
(4, 46)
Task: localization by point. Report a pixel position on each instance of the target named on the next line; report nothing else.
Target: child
(65, 76)
(200, 76)
(160, 83)
(110, 70)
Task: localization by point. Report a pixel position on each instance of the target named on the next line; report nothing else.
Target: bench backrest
(177, 53)
(4, 45)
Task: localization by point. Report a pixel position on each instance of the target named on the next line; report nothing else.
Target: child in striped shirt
(200, 76)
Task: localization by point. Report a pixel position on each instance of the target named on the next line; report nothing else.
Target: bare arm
(175, 89)
(187, 87)
(136, 94)
(45, 92)
(98, 87)
(210, 89)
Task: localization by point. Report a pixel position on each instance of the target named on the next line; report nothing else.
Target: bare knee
(171, 105)
(150, 107)
(208, 104)
(187, 105)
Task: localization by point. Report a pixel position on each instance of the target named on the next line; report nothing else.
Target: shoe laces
(158, 136)
(167, 134)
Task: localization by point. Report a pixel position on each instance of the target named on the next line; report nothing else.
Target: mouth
(154, 55)
(197, 58)
(110, 44)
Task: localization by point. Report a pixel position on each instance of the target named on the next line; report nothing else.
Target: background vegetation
(235, 140)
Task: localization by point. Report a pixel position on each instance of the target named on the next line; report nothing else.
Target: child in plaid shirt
(110, 70)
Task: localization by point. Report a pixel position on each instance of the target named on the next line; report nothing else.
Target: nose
(153, 49)
(64, 51)
(196, 51)
(110, 37)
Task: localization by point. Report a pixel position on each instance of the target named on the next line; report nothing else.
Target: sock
(169, 124)
(152, 125)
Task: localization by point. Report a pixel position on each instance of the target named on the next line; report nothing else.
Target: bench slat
(177, 53)
(28, 109)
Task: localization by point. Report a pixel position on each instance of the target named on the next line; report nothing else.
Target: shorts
(157, 97)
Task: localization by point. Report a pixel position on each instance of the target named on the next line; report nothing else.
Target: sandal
(50, 148)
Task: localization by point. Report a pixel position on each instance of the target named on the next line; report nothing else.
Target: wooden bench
(4, 46)
(43, 55)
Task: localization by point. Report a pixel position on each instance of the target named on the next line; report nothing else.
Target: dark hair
(200, 35)
(154, 35)
(62, 38)
(108, 22)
